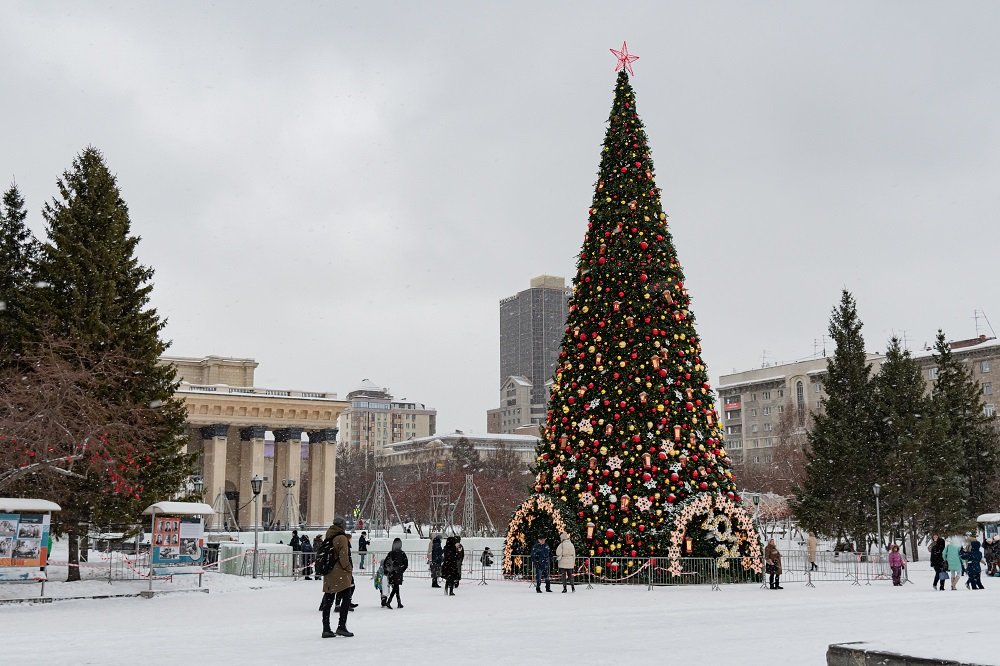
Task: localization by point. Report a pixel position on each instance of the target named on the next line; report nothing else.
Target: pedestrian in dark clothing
(973, 565)
(307, 557)
(338, 583)
(435, 559)
(393, 566)
(363, 548)
(295, 542)
(461, 558)
(541, 556)
(939, 564)
(772, 565)
(451, 565)
(486, 559)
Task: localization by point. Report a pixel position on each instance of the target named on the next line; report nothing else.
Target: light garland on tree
(526, 514)
(729, 511)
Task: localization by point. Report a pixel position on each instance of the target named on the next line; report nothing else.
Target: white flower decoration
(604, 489)
(614, 462)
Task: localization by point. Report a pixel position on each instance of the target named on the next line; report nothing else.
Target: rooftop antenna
(763, 358)
(981, 314)
(906, 345)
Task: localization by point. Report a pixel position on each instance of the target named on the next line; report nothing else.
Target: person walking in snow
(393, 567)
(451, 566)
(990, 549)
(486, 559)
(363, 548)
(811, 547)
(953, 560)
(566, 561)
(541, 556)
(435, 558)
(897, 563)
(772, 565)
(973, 565)
(307, 557)
(338, 583)
(461, 558)
(940, 566)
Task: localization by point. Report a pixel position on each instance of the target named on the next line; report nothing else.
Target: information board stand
(25, 531)
(177, 539)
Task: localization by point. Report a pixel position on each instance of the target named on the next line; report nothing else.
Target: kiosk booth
(989, 525)
(177, 539)
(25, 530)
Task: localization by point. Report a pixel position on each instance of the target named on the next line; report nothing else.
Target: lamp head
(256, 484)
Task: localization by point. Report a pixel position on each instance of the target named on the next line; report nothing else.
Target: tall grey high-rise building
(531, 330)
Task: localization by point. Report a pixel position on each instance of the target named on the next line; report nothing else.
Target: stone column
(251, 463)
(287, 465)
(322, 476)
(213, 457)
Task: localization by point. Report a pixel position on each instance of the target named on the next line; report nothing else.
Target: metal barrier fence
(854, 568)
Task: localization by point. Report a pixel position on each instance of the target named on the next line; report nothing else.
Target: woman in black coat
(393, 567)
(451, 569)
(937, 560)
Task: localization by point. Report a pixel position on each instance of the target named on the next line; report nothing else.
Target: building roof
(367, 385)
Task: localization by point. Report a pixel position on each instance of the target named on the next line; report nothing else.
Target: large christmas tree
(632, 451)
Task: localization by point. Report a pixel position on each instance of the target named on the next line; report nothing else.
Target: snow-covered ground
(507, 623)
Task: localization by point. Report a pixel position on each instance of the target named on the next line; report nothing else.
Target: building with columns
(228, 418)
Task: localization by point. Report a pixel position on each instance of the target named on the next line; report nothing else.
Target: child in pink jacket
(897, 563)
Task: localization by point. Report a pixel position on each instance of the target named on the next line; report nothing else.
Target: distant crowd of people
(959, 556)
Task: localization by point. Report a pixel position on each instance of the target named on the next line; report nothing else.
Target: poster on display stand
(24, 540)
(178, 540)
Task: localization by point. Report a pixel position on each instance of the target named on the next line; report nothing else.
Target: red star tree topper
(625, 59)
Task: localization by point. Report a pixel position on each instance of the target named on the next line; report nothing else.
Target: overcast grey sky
(346, 190)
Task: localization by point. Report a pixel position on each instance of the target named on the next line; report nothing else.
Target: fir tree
(904, 425)
(844, 460)
(18, 250)
(969, 436)
(97, 296)
(631, 431)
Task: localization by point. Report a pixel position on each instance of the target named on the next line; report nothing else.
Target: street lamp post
(256, 483)
(878, 517)
(756, 514)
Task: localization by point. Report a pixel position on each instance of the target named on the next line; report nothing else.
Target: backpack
(324, 558)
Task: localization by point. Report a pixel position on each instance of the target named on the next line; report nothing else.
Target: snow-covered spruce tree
(969, 436)
(844, 458)
(97, 298)
(632, 444)
(18, 249)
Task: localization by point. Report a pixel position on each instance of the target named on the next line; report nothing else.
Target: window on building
(767, 411)
(984, 366)
(781, 393)
(767, 427)
(753, 428)
(766, 395)
(932, 373)
(781, 409)
(988, 388)
(753, 412)
(989, 409)
(753, 397)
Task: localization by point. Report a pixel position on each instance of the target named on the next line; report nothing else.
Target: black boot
(538, 588)
(342, 631)
(327, 632)
(548, 588)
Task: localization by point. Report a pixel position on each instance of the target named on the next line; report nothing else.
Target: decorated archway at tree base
(539, 515)
(719, 521)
